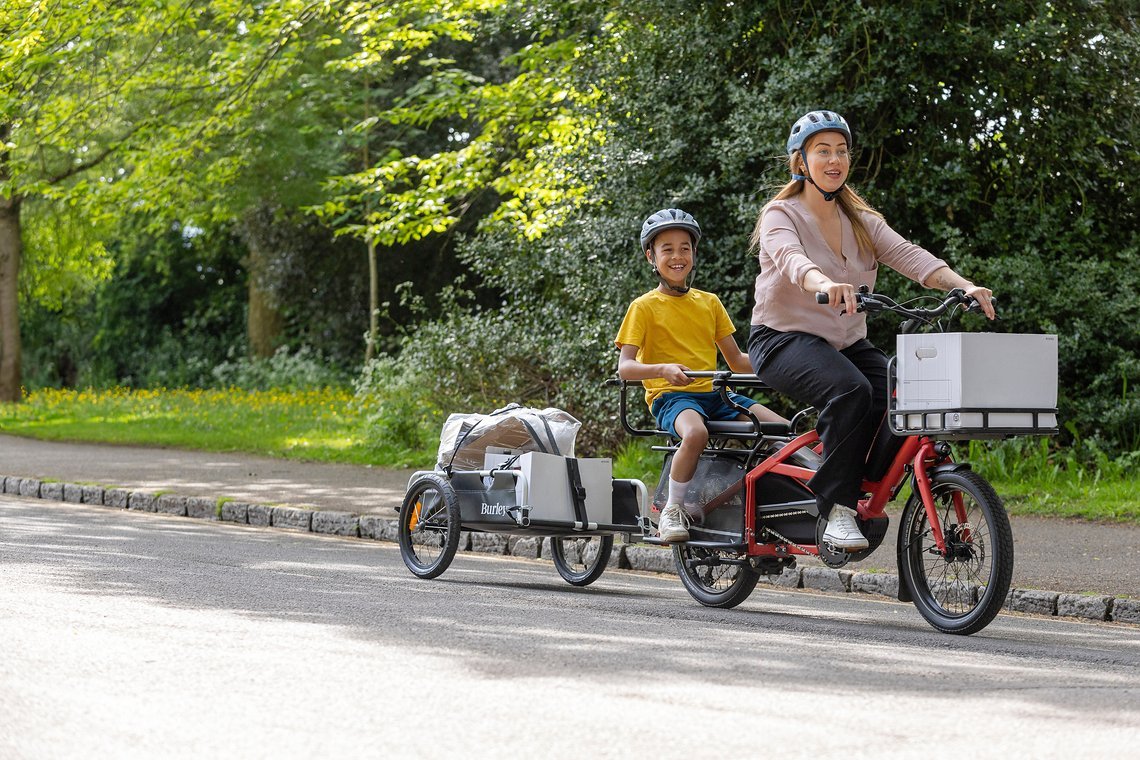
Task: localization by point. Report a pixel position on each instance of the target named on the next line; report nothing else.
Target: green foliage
(303, 369)
(509, 124)
(636, 459)
(970, 142)
(1079, 479)
(64, 256)
(399, 420)
(165, 318)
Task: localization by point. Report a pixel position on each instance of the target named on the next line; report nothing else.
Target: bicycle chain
(785, 539)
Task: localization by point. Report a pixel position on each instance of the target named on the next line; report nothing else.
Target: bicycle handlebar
(872, 303)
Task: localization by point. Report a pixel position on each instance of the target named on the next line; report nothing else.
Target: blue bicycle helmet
(817, 121)
(668, 219)
(812, 123)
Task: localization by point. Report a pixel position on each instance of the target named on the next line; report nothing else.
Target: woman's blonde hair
(850, 201)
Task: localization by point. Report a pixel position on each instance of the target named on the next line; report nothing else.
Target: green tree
(111, 106)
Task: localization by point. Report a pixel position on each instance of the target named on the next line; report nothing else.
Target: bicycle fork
(924, 458)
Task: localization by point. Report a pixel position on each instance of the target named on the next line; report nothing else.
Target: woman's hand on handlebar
(984, 298)
(839, 294)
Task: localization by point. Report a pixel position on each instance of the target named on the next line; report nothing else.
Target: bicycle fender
(949, 467)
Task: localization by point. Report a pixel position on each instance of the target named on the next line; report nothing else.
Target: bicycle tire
(963, 593)
(429, 525)
(581, 560)
(710, 581)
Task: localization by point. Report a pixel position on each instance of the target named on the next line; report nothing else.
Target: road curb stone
(292, 518)
(1126, 610)
(117, 498)
(1080, 605)
(1033, 601)
(336, 523)
(650, 559)
(260, 515)
(170, 504)
(202, 508)
(141, 502)
(625, 556)
(235, 512)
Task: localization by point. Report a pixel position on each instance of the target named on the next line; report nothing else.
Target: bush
(400, 419)
(289, 370)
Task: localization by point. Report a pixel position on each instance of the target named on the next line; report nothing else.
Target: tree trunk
(11, 251)
(264, 323)
(373, 302)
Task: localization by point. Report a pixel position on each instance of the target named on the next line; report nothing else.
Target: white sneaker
(842, 530)
(673, 527)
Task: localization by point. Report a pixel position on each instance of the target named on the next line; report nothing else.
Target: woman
(826, 239)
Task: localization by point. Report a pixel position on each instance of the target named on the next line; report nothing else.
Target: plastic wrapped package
(465, 438)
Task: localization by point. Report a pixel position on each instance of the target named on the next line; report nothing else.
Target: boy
(668, 331)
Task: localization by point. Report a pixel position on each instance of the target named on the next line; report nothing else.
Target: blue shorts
(710, 405)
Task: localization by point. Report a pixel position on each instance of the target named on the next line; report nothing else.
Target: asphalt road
(139, 635)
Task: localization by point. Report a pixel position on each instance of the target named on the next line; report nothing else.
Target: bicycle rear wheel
(714, 577)
(429, 525)
(962, 591)
(581, 560)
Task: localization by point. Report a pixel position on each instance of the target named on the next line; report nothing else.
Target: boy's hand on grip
(675, 374)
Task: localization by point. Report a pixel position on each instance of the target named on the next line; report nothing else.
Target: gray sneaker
(842, 530)
(673, 527)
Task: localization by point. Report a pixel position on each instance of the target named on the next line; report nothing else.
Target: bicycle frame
(917, 453)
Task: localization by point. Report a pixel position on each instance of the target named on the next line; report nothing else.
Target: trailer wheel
(429, 525)
(581, 560)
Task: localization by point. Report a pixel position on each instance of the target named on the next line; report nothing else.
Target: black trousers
(848, 388)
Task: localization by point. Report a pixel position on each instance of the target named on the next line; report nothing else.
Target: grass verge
(317, 425)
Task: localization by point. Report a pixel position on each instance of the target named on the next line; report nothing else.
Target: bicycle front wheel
(581, 560)
(714, 577)
(962, 590)
(429, 525)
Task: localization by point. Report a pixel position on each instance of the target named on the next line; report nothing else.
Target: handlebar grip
(821, 298)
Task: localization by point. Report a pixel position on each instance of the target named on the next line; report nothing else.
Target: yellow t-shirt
(675, 330)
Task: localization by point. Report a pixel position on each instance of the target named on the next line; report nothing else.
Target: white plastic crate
(952, 381)
(545, 486)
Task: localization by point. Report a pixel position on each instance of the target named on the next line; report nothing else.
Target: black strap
(550, 436)
(577, 490)
(533, 435)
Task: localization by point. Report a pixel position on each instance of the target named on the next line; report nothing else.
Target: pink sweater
(791, 244)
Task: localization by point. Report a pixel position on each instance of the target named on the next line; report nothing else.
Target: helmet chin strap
(679, 289)
(807, 178)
